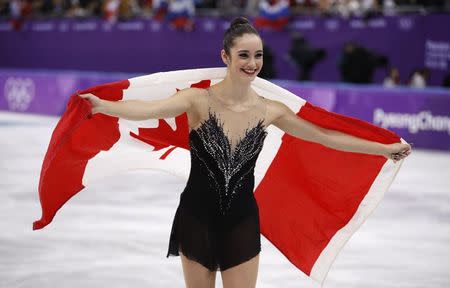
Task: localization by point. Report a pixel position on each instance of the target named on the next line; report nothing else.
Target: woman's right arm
(141, 110)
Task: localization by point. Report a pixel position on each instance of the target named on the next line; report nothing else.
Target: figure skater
(216, 226)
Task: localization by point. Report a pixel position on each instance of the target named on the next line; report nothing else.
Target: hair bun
(239, 21)
(238, 27)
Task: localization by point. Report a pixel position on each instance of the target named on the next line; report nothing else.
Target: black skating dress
(217, 220)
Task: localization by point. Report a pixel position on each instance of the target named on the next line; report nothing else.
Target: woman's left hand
(397, 151)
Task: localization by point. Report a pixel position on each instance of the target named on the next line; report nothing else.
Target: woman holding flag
(216, 226)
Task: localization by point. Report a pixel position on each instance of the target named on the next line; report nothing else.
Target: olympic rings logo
(406, 23)
(19, 92)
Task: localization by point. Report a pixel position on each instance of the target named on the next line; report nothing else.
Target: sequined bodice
(217, 220)
(224, 150)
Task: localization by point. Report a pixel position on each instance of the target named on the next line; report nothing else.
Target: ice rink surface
(115, 233)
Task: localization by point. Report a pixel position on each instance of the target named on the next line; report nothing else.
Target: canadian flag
(311, 198)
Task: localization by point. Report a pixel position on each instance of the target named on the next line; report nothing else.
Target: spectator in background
(393, 78)
(446, 82)
(273, 14)
(267, 70)
(207, 4)
(357, 64)
(128, 9)
(324, 6)
(348, 8)
(67, 8)
(180, 14)
(423, 3)
(251, 7)
(160, 8)
(234, 7)
(419, 78)
(52, 7)
(76, 8)
(304, 56)
(146, 8)
(20, 10)
(389, 6)
(120, 9)
(4, 8)
(313, 5)
(111, 10)
(308, 3)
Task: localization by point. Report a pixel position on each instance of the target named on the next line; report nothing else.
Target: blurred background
(390, 43)
(382, 61)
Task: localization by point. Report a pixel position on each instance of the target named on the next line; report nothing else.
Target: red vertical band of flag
(310, 192)
(74, 142)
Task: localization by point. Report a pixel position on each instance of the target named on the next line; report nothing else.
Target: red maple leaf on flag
(164, 136)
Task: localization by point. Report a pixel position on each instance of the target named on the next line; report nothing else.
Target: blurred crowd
(357, 64)
(272, 14)
(347, 8)
(150, 8)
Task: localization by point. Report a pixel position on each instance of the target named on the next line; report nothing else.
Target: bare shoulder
(192, 97)
(276, 109)
(197, 99)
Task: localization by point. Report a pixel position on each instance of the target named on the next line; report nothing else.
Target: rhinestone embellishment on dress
(230, 166)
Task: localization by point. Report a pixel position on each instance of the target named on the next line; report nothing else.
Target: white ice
(115, 233)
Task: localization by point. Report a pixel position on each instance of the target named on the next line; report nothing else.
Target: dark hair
(238, 27)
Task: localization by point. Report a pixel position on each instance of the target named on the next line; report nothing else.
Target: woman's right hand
(136, 109)
(96, 102)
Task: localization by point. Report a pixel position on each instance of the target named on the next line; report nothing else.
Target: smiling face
(245, 58)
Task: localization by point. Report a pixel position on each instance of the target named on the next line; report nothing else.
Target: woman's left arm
(284, 118)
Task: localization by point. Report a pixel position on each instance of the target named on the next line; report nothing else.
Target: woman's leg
(241, 276)
(196, 275)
